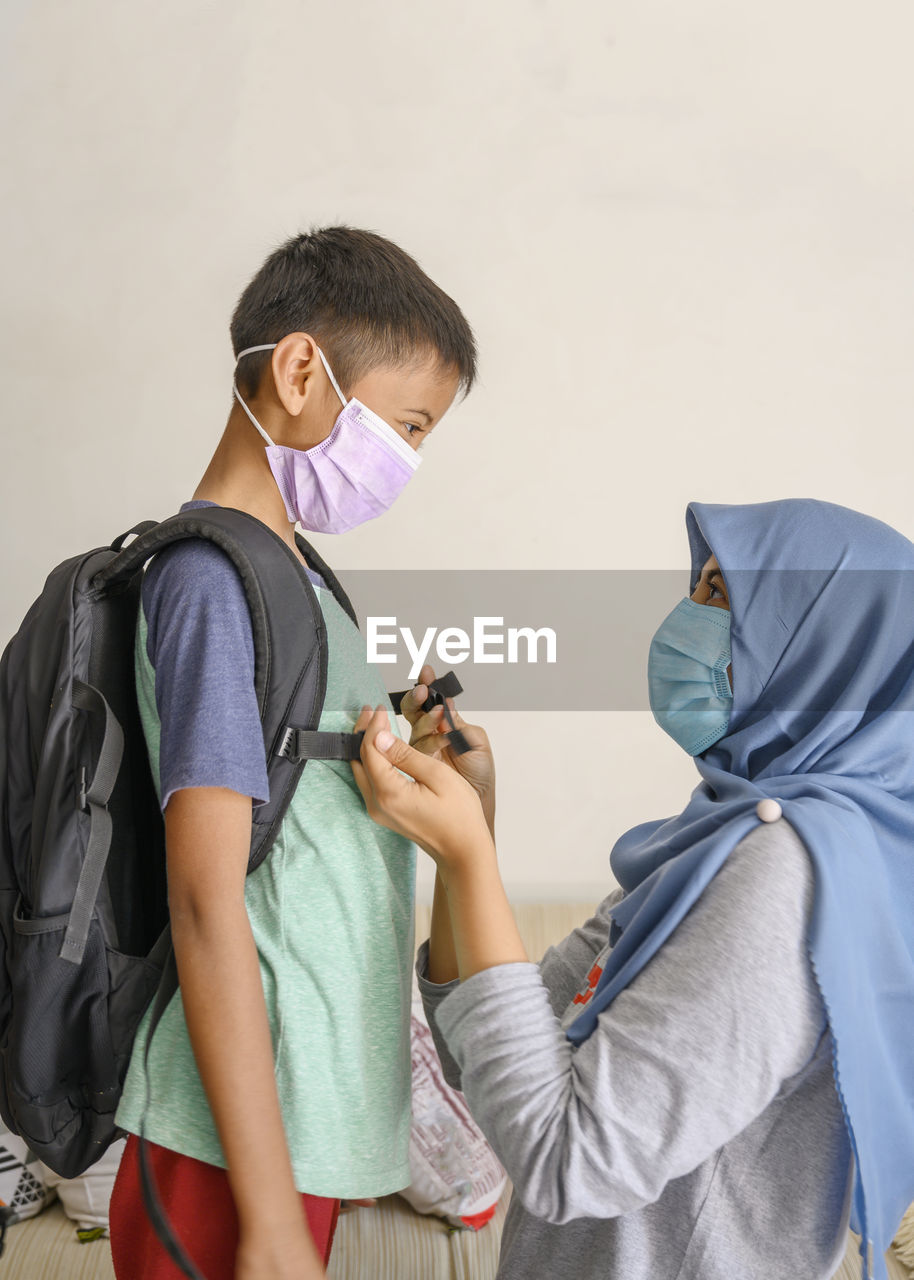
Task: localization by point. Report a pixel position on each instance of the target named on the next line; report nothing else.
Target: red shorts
(198, 1203)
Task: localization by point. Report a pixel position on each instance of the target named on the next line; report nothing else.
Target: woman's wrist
(442, 959)
(467, 851)
(484, 930)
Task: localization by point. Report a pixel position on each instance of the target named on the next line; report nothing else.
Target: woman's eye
(412, 428)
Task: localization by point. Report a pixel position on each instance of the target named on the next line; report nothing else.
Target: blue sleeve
(201, 647)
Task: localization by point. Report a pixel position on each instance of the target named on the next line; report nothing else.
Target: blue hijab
(822, 642)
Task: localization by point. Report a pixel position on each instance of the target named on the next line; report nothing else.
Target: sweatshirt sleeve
(561, 969)
(433, 993)
(685, 1058)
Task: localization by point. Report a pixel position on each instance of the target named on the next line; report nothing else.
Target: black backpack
(83, 910)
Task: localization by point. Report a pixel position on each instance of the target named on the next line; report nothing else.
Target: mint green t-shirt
(331, 910)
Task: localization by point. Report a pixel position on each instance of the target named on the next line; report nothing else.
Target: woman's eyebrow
(424, 412)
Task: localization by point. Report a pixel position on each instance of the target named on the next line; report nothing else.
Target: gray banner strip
(569, 640)
(528, 640)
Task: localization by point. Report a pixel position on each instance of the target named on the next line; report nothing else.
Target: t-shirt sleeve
(200, 644)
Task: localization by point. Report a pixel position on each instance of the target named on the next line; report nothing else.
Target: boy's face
(412, 399)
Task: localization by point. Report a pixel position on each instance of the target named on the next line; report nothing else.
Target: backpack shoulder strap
(320, 566)
(137, 529)
(290, 638)
(251, 547)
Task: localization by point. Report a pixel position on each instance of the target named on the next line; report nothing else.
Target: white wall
(682, 232)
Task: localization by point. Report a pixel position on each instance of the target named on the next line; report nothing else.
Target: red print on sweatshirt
(592, 979)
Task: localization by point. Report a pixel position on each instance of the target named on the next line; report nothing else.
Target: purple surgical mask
(352, 476)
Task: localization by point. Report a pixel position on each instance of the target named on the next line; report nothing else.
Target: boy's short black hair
(365, 301)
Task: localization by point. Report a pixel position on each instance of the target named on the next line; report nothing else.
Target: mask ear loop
(266, 346)
(336, 385)
(271, 346)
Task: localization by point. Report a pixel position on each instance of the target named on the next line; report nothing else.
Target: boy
(279, 1074)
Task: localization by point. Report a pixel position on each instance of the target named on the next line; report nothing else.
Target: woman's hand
(429, 735)
(432, 805)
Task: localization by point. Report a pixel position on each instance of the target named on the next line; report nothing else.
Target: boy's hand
(350, 1206)
(279, 1253)
(430, 727)
(432, 805)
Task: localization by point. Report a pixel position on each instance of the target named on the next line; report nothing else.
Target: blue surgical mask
(687, 675)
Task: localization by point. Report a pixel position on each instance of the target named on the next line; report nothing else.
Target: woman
(717, 1069)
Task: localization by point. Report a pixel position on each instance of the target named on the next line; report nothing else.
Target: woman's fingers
(474, 733)
(429, 725)
(429, 733)
(362, 781)
(423, 799)
(383, 755)
(411, 706)
(384, 760)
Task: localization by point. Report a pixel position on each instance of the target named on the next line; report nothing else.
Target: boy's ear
(294, 362)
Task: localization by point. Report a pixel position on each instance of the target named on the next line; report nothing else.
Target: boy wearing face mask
(279, 1073)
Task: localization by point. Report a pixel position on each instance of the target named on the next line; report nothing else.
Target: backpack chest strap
(310, 744)
(297, 745)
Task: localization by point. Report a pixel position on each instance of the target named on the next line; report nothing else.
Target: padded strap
(94, 797)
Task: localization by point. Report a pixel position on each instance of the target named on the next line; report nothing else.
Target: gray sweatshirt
(697, 1134)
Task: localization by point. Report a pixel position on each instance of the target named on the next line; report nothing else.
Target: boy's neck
(239, 476)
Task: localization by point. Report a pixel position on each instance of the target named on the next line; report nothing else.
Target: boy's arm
(207, 839)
